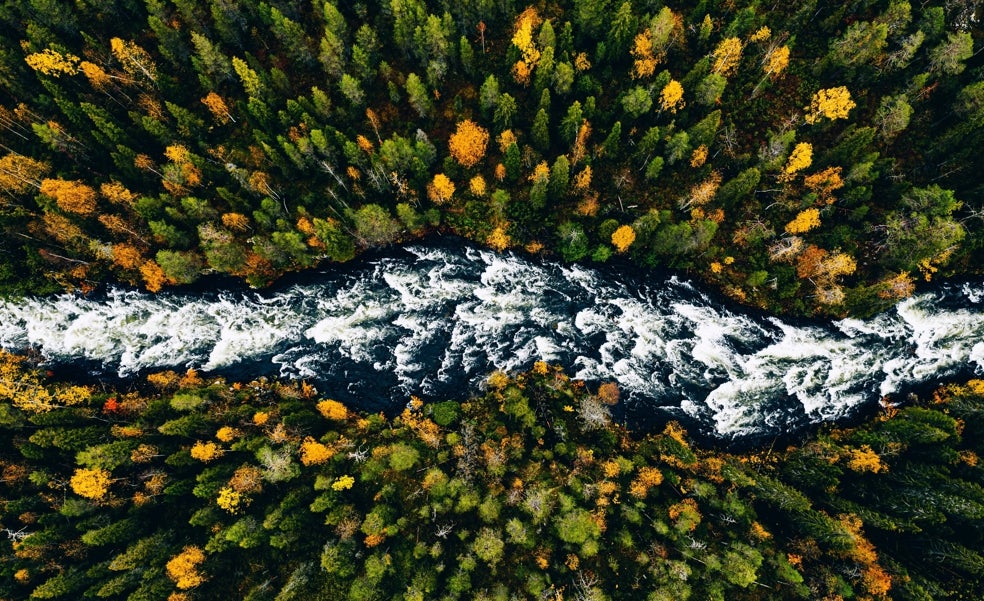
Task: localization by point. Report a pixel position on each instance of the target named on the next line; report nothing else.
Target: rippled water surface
(434, 320)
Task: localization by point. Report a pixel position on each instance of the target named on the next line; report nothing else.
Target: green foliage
(338, 115)
(509, 485)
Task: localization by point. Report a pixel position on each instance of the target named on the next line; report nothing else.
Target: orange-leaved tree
(468, 143)
(71, 196)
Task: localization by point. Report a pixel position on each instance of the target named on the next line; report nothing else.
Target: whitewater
(435, 320)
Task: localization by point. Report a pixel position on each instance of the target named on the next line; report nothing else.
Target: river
(435, 319)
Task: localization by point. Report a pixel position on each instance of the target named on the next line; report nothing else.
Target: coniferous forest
(808, 158)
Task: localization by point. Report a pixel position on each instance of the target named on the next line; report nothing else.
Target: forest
(807, 158)
(195, 488)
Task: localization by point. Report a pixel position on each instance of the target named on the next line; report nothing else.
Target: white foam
(445, 317)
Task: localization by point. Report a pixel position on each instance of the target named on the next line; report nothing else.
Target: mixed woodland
(195, 488)
(811, 158)
(805, 157)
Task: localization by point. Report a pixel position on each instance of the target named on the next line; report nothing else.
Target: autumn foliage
(333, 410)
(90, 483)
(623, 238)
(805, 221)
(671, 98)
(644, 59)
(183, 568)
(71, 196)
(830, 103)
(799, 159)
(468, 143)
(314, 452)
(727, 56)
(440, 189)
(205, 451)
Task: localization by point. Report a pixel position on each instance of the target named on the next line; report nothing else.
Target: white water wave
(435, 321)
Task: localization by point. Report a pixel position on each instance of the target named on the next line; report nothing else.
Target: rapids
(434, 320)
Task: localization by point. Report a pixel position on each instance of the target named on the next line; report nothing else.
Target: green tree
(893, 116)
(708, 92)
(489, 94)
(417, 95)
(571, 122)
(488, 546)
(505, 111)
(374, 226)
(540, 134)
(923, 230)
(338, 243)
(560, 175)
(948, 57)
(577, 526)
(637, 102)
(351, 90)
(591, 16)
(863, 43)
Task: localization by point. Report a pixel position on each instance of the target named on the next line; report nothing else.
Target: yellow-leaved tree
(830, 103)
(53, 63)
(645, 60)
(343, 483)
(333, 410)
(623, 237)
(477, 185)
(727, 56)
(205, 451)
(440, 189)
(90, 483)
(315, 453)
(527, 21)
(775, 62)
(800, 158)
(805, 221)
(499, 239)
(24, 389)
(671, 98)
(183, 568)
(135, 60)
(19, 173)
(468, 143)
(229, 499)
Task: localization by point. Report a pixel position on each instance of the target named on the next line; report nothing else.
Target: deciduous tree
(727, 56)
(468, 143)
(183, 568)
(441, 189)
(830, 103)
(71, 196)
(623, 237)
(671, 98)
(90, 483)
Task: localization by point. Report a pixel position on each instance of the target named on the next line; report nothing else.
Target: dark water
(434, 320)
